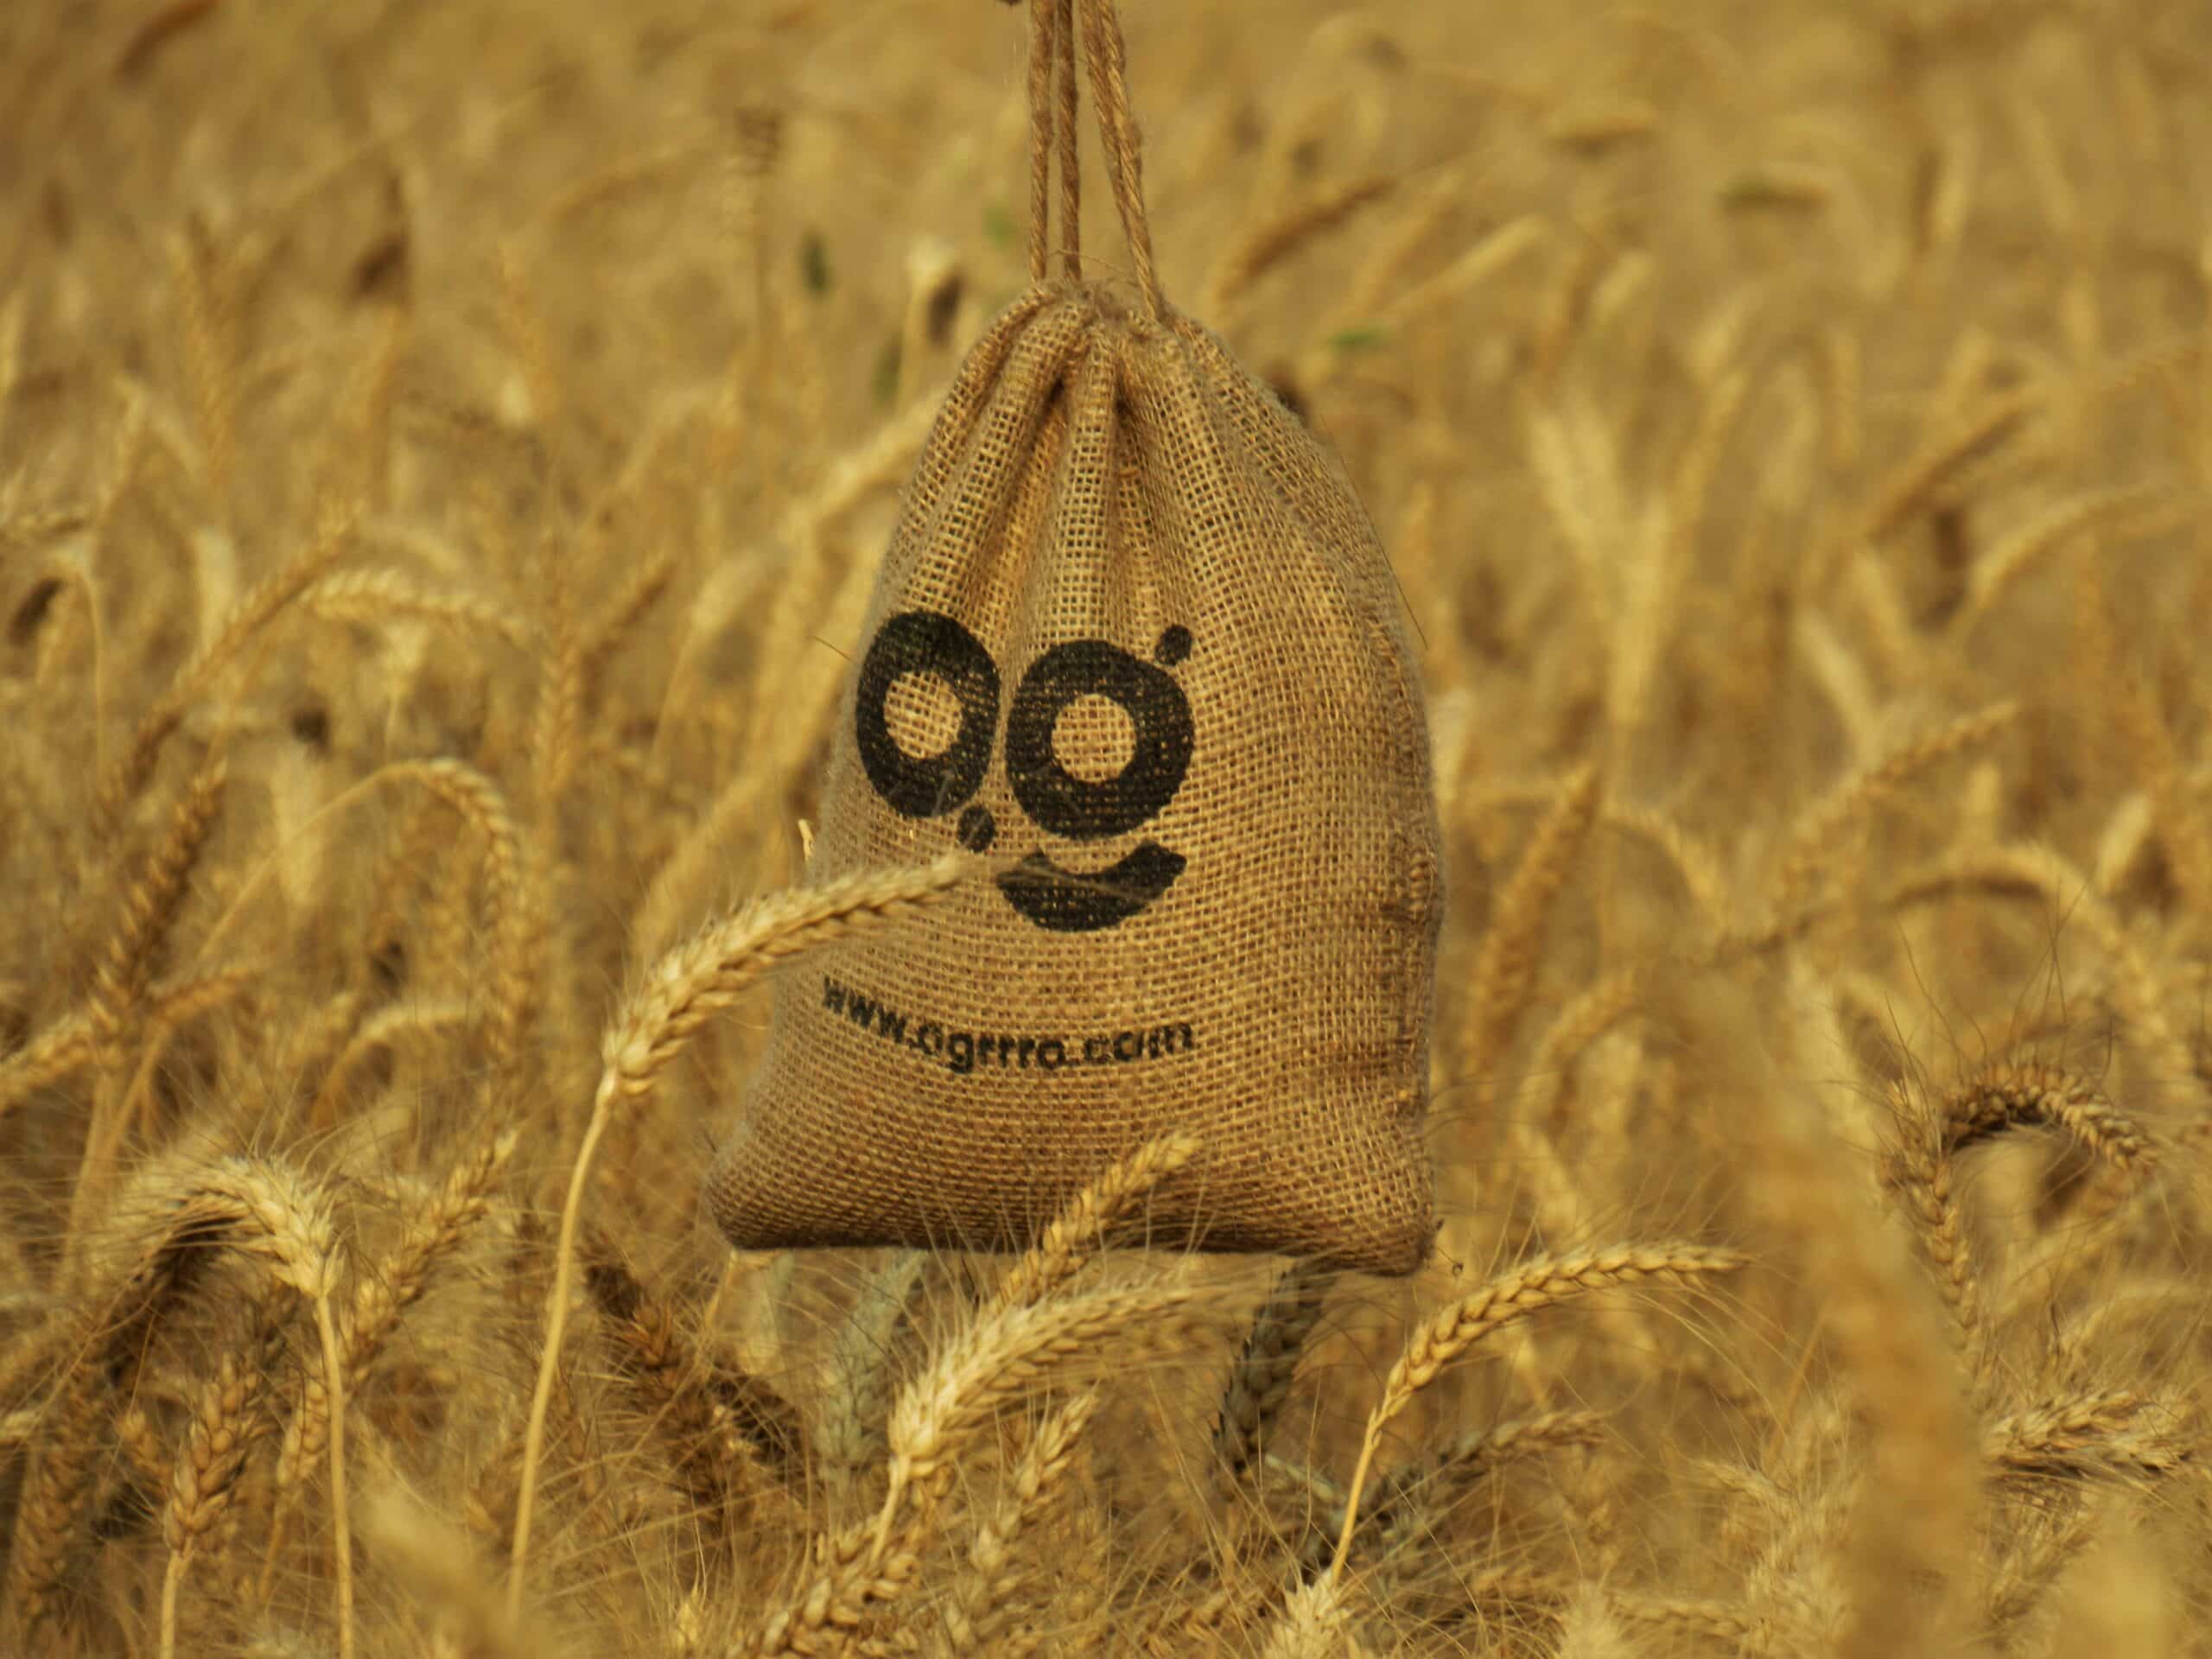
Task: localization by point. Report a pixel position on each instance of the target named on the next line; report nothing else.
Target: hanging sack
(1135, 639)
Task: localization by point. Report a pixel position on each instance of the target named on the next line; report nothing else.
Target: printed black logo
(925, 643)
(922, 642)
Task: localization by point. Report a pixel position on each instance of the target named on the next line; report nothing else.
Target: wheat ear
(1080, 1229)
(687, 987)
(1314, 1623)
(2132, 705)
(1506, 968)
(478, 799)
(288, 1224)
(992, 1573)
(2085, 1435)
(720, 1424)
(993, 1360)
(994, 1357)
(148, 910)
(1474, 1456)
(253, 614)
(2036, 871)
(1270, 243)
(433, 1230)
(1996, 571)
(66, 1046)
(1513, 1296)
(373, 593)
(2011, 1092)
(1817, 832)
(861, 1368)
(1918, 1170)
(1259, 1382)
(230, 1416)
(171, 1228)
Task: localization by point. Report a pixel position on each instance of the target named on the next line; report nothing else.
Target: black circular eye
(925, 643)
(1062, 803)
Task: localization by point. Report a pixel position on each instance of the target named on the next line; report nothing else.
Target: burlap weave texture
(1117, 541)
(1133, 638)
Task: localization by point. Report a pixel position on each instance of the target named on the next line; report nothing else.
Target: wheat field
(444, 453)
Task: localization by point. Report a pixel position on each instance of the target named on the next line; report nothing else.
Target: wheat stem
(1503, 1301)
(686, 987)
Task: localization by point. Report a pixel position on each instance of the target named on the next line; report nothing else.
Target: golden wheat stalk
(1082, 1227)
(1259, 1382)
(67, 1045)
(1268, 244)
(991, 1362)
(1818, 831)
(253, 614)
(992, 1573)
(720, 1426)
(996, 1357)
(433, 1229)
(2116, 1431)
(861, 1366)
(228, 1419)
(1505, 971)
(149, 908)
(1513, 1296)
(687, 987)
(2006, 1093)
(1313, 1623)
(1918, 1170)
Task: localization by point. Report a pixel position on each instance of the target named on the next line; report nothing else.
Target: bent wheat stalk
(688, 987)
(1503, 1301)
(1080, 1230)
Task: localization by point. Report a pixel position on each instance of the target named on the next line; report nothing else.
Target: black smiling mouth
(1082, 901)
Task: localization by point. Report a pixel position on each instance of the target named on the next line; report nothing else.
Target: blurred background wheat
(443, 455)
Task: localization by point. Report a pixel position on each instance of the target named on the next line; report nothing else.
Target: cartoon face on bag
(1071, 691)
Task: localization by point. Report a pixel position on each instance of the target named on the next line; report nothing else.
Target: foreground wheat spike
(162, 1233)
(1468, 1459)
(1514, 1296)
(105, 1346)
(434, 1231)
(860, 1369)
(2120, 1430)
(231, 1416)
(687, 987)
(720, 1425)
(993, 1574)
(1918, 1170)
(1259, 1382)
(2011, 1092)
(1081, 1228)
(993, 1360)
(1314, 1623)
(287, 1222)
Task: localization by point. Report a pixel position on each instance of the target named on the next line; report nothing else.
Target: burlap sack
(1135, 638)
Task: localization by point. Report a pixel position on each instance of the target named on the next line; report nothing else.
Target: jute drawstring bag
(1135, 639)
